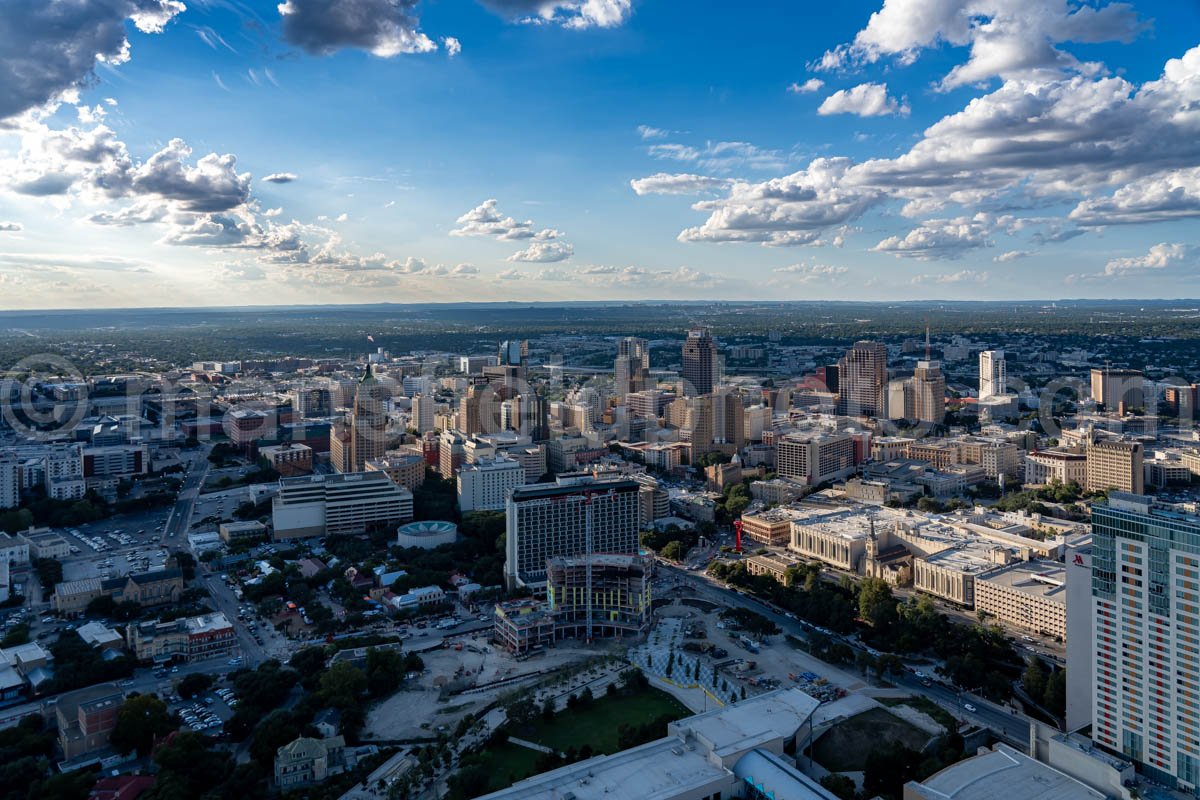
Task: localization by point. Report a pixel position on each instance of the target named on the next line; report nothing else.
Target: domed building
(426, 534)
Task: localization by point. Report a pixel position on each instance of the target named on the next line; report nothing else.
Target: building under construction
(601, 595)
(619, 590)
(522, 626)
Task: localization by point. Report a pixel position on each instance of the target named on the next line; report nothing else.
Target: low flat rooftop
(660, 770)
(1001, 774)
(1046, 579)
(751, 723)
(970, 558)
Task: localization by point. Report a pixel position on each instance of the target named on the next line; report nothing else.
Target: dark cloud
(49, 47)
(385, 28)
(212, 185)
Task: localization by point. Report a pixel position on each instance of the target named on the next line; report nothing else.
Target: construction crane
(587, 558)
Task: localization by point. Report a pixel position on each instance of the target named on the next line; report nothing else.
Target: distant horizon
(587, 303)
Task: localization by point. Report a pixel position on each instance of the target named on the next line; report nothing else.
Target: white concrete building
(13, 549)
(64, 472)
(993, 375)
(814, 457)
(1046, 466)
(422, 412)
(951, 574)
(345, 503)
(486, 484)
(742, 750)
(1029, 594)
(115, 461)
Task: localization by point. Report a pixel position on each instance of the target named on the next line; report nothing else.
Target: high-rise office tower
(10, 480)
(631, 370)
(993, 375)
(575, 516)
(1114, 464)
(729, 418)
(479, 410)
(422, 413)
(1118, 389)
(697, 425)
(533, 416)
(699, 362)
(1146, 608)
(929, 392)
(862, 374)
(312, 401)
(508, 375)
(368, 423)
(647, 404)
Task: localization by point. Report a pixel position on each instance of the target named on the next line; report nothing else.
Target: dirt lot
(844, 748)
(427, 702)
(773, 662)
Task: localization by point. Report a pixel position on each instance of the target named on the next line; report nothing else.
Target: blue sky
(615, 149)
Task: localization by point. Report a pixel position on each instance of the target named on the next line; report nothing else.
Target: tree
(343, 686)
(272, 733)
(472, 780)
(141, 720)
(49, 571)
(186, 563)
(308, 662)
(1033, 681)
(888, 767)
(1054, 698)
(876, 604)
(188, 768)
(840, 785)
(195, 683)
(65, 786)
(17, 634)
(673, 551)
(385, 671)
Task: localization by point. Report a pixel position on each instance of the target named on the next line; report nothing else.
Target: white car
(970, 707)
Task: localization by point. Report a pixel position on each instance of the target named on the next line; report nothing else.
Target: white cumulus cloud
(864, 100)
(677, 183)
(544, 252)
(808, 87)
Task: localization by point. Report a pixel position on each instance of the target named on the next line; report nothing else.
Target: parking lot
(208, 711)
(132, 543)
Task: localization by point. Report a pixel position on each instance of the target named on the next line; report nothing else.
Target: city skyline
(520, 150)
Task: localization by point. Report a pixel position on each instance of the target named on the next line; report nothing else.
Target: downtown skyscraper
(699, 362)
(631, 370)
(1146, 613)
(862, 376)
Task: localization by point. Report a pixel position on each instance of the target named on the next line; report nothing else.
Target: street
(181, 513)
(1014, 727)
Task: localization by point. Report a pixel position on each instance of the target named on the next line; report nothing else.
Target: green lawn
(596, 725)
(506, 764)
